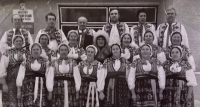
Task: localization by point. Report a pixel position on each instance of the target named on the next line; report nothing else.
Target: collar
(115, 24)
(141, 24)
(49, 29)
(72, 47)
(14, 30)
(80, 31)
(172, 23)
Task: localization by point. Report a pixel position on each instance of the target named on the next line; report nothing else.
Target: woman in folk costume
(180, 80)
(75, 52)
(176, 40)
(157, 52)
(10, 63)
(31, 88)
(116, 88)
(46, 51)
(63, 80)
(92, 79)
(101, 40)
(146, 79)
(128, 47)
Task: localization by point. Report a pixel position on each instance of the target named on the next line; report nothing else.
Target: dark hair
(36, 44)
(170, 54)
(124, 35)
(176, 33)
(114, 9)
(148, 32)
(116, 45)
(103, 39)
(44, 35)
(141, 11)
(142, 47)
(50, 14)
(18, 37)
(14, 15)
(61, 46)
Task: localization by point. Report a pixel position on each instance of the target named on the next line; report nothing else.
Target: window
(99, 15)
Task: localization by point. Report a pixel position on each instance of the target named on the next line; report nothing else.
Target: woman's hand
(50, 96)
(133, 94)
(101, 95)
(77, 95)
(5, 88)
(18, 94)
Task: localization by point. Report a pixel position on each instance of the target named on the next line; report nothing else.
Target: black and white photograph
(99, 53)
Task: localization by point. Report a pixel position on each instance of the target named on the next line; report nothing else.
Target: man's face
(82, 23)
(17, 21)
(114, 15)
(142, 17)
(51, 21)
(171, 15)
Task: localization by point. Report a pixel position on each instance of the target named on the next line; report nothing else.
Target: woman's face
(100, 41)
(145, 51)
(176, 39)
(18, 43)
(126, 40)
(90, 53)
(148, 38)
(175, 54)
(63, 51)
(73, 37)
(44, 40)
(36, 51)
(116, 50)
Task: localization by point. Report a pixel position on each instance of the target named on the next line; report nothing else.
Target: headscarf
(18, 36)
(92, 46)
(42, 52)
(101, 33)
(151, 50)
(179, 48)
(46, 36)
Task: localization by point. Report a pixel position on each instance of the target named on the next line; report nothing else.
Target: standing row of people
(111, 67)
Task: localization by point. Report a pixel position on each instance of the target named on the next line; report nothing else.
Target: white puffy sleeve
(101, 76)
(4, 38)
(190, 77)
(161, 57)
(161, 77)
(131, 78)
(126, 28)
(21, 74)
(64, 39)
(155, 41)
(50, 78)
(38, 36)
(30, 39)
(3, 65)
(103, 28)
(184, 36)
(191, 61)
(77, 77)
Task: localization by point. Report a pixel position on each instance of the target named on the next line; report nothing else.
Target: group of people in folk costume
(113, 67)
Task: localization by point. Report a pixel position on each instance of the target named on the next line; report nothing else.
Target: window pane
(93, 14)
(129, 14)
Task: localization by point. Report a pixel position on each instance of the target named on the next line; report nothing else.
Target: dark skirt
(10, 99)
(175, 94)
(146, 94)
(27, 91)
(58, 98)
(121, 94)
(83, 95)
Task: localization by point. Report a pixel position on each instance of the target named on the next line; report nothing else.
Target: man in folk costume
(165, 30)
(115, 28)
(56, 35)
(85, 34)
(137, 31)
(16, 30)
